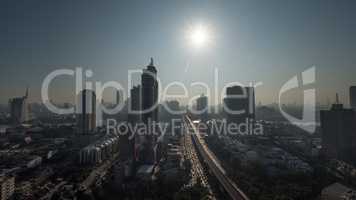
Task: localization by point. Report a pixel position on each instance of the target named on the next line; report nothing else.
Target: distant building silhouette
(86, 112)
(173, 105)
(244, 101)
(118, 97)
(353, 97)
(202, 107)
(169, 110)
(338, 126)
(19, 109)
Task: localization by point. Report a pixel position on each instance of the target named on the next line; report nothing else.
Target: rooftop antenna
(151, 62)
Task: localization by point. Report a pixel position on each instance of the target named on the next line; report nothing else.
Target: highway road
(214, 165)
(197, 170)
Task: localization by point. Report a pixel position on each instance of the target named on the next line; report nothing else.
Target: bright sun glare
(199, 36)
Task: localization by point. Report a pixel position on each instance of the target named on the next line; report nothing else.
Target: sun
(199, 36)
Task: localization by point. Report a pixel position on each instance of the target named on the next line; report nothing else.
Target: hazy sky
(268, 41)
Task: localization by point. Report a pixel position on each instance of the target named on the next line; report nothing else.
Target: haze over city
(249, 41)
(178, 100)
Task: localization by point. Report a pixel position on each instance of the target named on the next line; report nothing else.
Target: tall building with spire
(149, 94)
(19, 109)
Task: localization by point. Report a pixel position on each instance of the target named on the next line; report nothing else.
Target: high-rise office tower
(86, 112)
(353, 97)
(135, 103)
(338, 127)
(149, 93)
(202, 107)
(134, 117)
(149, 107)
(239, 104)
(19, 109)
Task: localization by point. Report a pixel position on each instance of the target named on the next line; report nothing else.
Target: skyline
(250, 41)
(173, 100)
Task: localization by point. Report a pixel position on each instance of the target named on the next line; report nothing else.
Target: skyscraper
(135, 103)
(149, 107)
(86, 112)
(149, 93)
(19, 109)
(353, 97)
(202, 107)
(129, 145)
(338, 126)
(239, 104)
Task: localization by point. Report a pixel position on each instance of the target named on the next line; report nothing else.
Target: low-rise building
(99, 151)
(34, 161)
(338, 191)
(7, 187)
